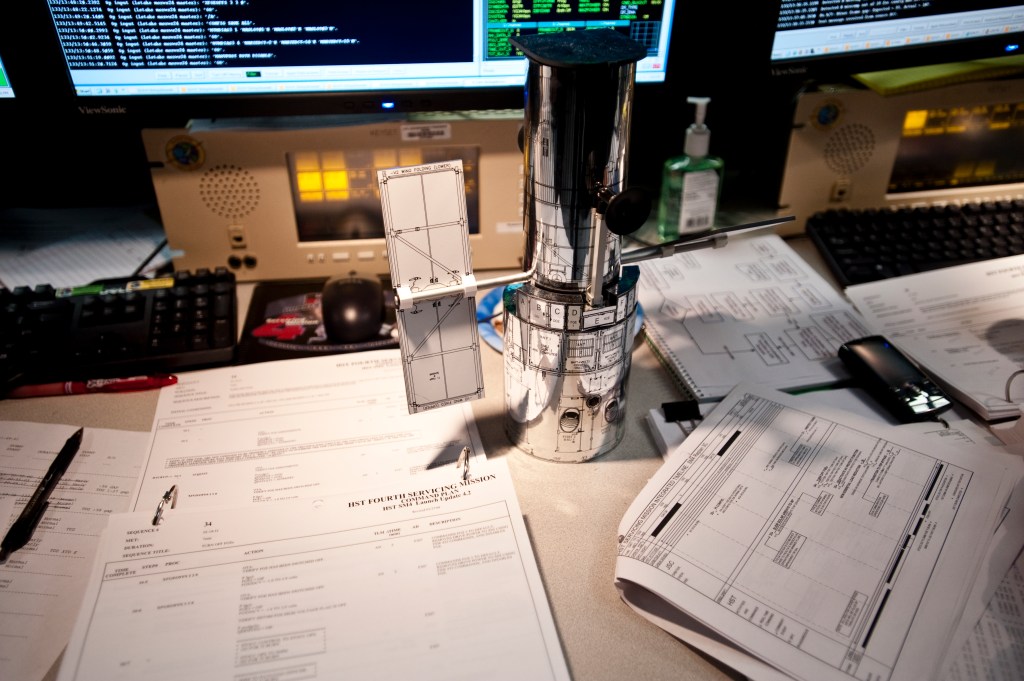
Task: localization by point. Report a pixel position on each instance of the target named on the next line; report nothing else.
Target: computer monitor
(281, 57)
(815, 39)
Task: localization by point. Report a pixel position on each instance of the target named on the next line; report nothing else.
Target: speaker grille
(849, 148)
(229, 191)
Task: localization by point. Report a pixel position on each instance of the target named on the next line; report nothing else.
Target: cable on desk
(1009, 381)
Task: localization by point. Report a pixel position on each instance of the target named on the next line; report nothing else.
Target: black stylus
(22, 529)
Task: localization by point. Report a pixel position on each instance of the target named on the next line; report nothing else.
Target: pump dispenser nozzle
(698, 137)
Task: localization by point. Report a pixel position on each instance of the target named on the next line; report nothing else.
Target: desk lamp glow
(569, 317)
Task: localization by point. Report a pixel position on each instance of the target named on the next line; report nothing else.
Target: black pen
(22, 529)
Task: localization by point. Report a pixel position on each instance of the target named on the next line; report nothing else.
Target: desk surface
(572, 512)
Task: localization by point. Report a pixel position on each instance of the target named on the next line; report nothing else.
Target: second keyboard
(866, 245)
(117, 328)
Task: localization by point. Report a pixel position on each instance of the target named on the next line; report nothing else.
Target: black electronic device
(278, 57)
(945, 146)
(292, 201)
(893, 379)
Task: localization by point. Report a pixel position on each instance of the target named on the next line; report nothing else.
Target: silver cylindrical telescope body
(575, 138)
(569, 330)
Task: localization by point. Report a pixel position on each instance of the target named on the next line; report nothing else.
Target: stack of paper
(43, 583)
(791, 541)
(316, 530)
(964, 325)
(385, 583)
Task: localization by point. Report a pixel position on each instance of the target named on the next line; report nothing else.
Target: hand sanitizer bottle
(691, 183)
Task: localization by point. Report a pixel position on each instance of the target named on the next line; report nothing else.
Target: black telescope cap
(591, 47)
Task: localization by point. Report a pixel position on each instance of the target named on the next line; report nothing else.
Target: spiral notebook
(753, 311)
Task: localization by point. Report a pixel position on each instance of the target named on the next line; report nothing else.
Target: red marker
(95, 385)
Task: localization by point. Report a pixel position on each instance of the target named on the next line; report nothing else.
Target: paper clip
(463, 462)
(169, 497)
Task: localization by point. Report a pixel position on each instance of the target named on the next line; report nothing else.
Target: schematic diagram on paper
(752, 311)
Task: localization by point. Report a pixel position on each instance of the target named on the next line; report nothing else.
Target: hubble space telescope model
(569, 318)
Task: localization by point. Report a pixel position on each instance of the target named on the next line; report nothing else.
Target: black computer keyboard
(866, 245)
(117, 327)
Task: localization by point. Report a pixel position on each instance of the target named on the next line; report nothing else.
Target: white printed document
(964, 325)
(994, 649)
(299, 428)
(412, 580)
(989, 644)
(42, 584)
(825, 547)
